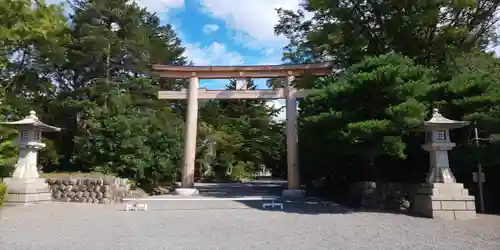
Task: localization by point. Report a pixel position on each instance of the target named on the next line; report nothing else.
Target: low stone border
(102, 190)
(383, 195)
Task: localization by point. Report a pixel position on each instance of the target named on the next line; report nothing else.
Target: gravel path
(235, 225)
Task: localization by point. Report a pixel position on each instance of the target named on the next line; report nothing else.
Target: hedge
(3, 188)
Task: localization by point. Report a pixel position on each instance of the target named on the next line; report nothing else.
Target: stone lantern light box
(26, 186)
(441, 196)
(438, 144)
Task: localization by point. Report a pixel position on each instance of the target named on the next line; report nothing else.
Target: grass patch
(3, 189)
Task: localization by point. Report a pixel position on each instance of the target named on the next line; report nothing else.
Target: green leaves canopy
(366, 113)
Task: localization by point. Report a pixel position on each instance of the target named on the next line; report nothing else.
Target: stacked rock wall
(383, 195)
(103, 190)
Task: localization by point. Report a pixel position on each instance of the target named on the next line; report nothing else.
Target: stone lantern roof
(33, 120)
(438, 121)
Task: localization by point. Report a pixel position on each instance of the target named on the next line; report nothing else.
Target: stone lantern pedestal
(25, 186)
(441, 196)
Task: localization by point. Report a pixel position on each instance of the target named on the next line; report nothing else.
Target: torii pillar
(293, 171)
(187, 179)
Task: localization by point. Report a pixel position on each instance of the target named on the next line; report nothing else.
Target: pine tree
(363, 117)
(107, 91)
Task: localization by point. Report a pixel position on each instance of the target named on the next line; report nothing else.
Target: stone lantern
(441, 196)
(26, 186)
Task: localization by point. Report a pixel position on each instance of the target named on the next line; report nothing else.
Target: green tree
(246, 132)
(112, 41)
(473, 94)
(346, 31)
(134, 141)
(363, 117)
(32, 37)
(8, 151)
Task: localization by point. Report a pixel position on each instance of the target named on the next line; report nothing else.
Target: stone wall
(103, 190)
(383, 195)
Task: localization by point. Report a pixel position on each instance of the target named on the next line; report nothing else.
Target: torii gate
(193, 94)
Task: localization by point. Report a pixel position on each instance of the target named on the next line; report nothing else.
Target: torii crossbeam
(193, 94)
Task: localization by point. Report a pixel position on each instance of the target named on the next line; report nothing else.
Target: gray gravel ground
(234, 225)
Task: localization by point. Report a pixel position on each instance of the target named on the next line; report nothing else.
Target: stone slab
(445, 189)
(13, 199)
(26, 191)
(465, 215)
(26, 186)
(186, 192)
(471, 205)
(448, 201)
(454, 215)
(453, 205)
(451, 198)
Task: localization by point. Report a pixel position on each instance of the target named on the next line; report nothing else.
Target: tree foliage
(366, 114)
(247, 133)
(138, 142)
(346, 31)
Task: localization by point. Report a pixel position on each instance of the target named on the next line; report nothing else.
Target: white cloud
(251, 19)
(209, 28)
(215, 54)
(278, 104)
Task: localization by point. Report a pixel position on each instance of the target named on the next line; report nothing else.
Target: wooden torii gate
(194, 93)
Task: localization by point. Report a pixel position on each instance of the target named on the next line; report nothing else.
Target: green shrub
(3, 189)
(6, 170)
(240, 171)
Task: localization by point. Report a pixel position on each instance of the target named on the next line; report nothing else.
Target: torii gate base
(193, 94)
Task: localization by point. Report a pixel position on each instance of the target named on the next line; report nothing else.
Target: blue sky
(225, 32)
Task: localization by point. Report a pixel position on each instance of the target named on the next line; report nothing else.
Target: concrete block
(453, 205)
(25, 191)
(444, 186)
(464, 198)
(465, 215)
(441, 198)
(471, 205)
(448, 201)
(465, 192)
(187, 192)
(444, 215)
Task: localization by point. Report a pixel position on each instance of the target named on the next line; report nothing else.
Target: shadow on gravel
(250, 194)
(268, 188)
(301, 207)
(248, 189)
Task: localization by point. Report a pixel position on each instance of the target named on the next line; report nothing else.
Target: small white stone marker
(136, 207)
(273, 204)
